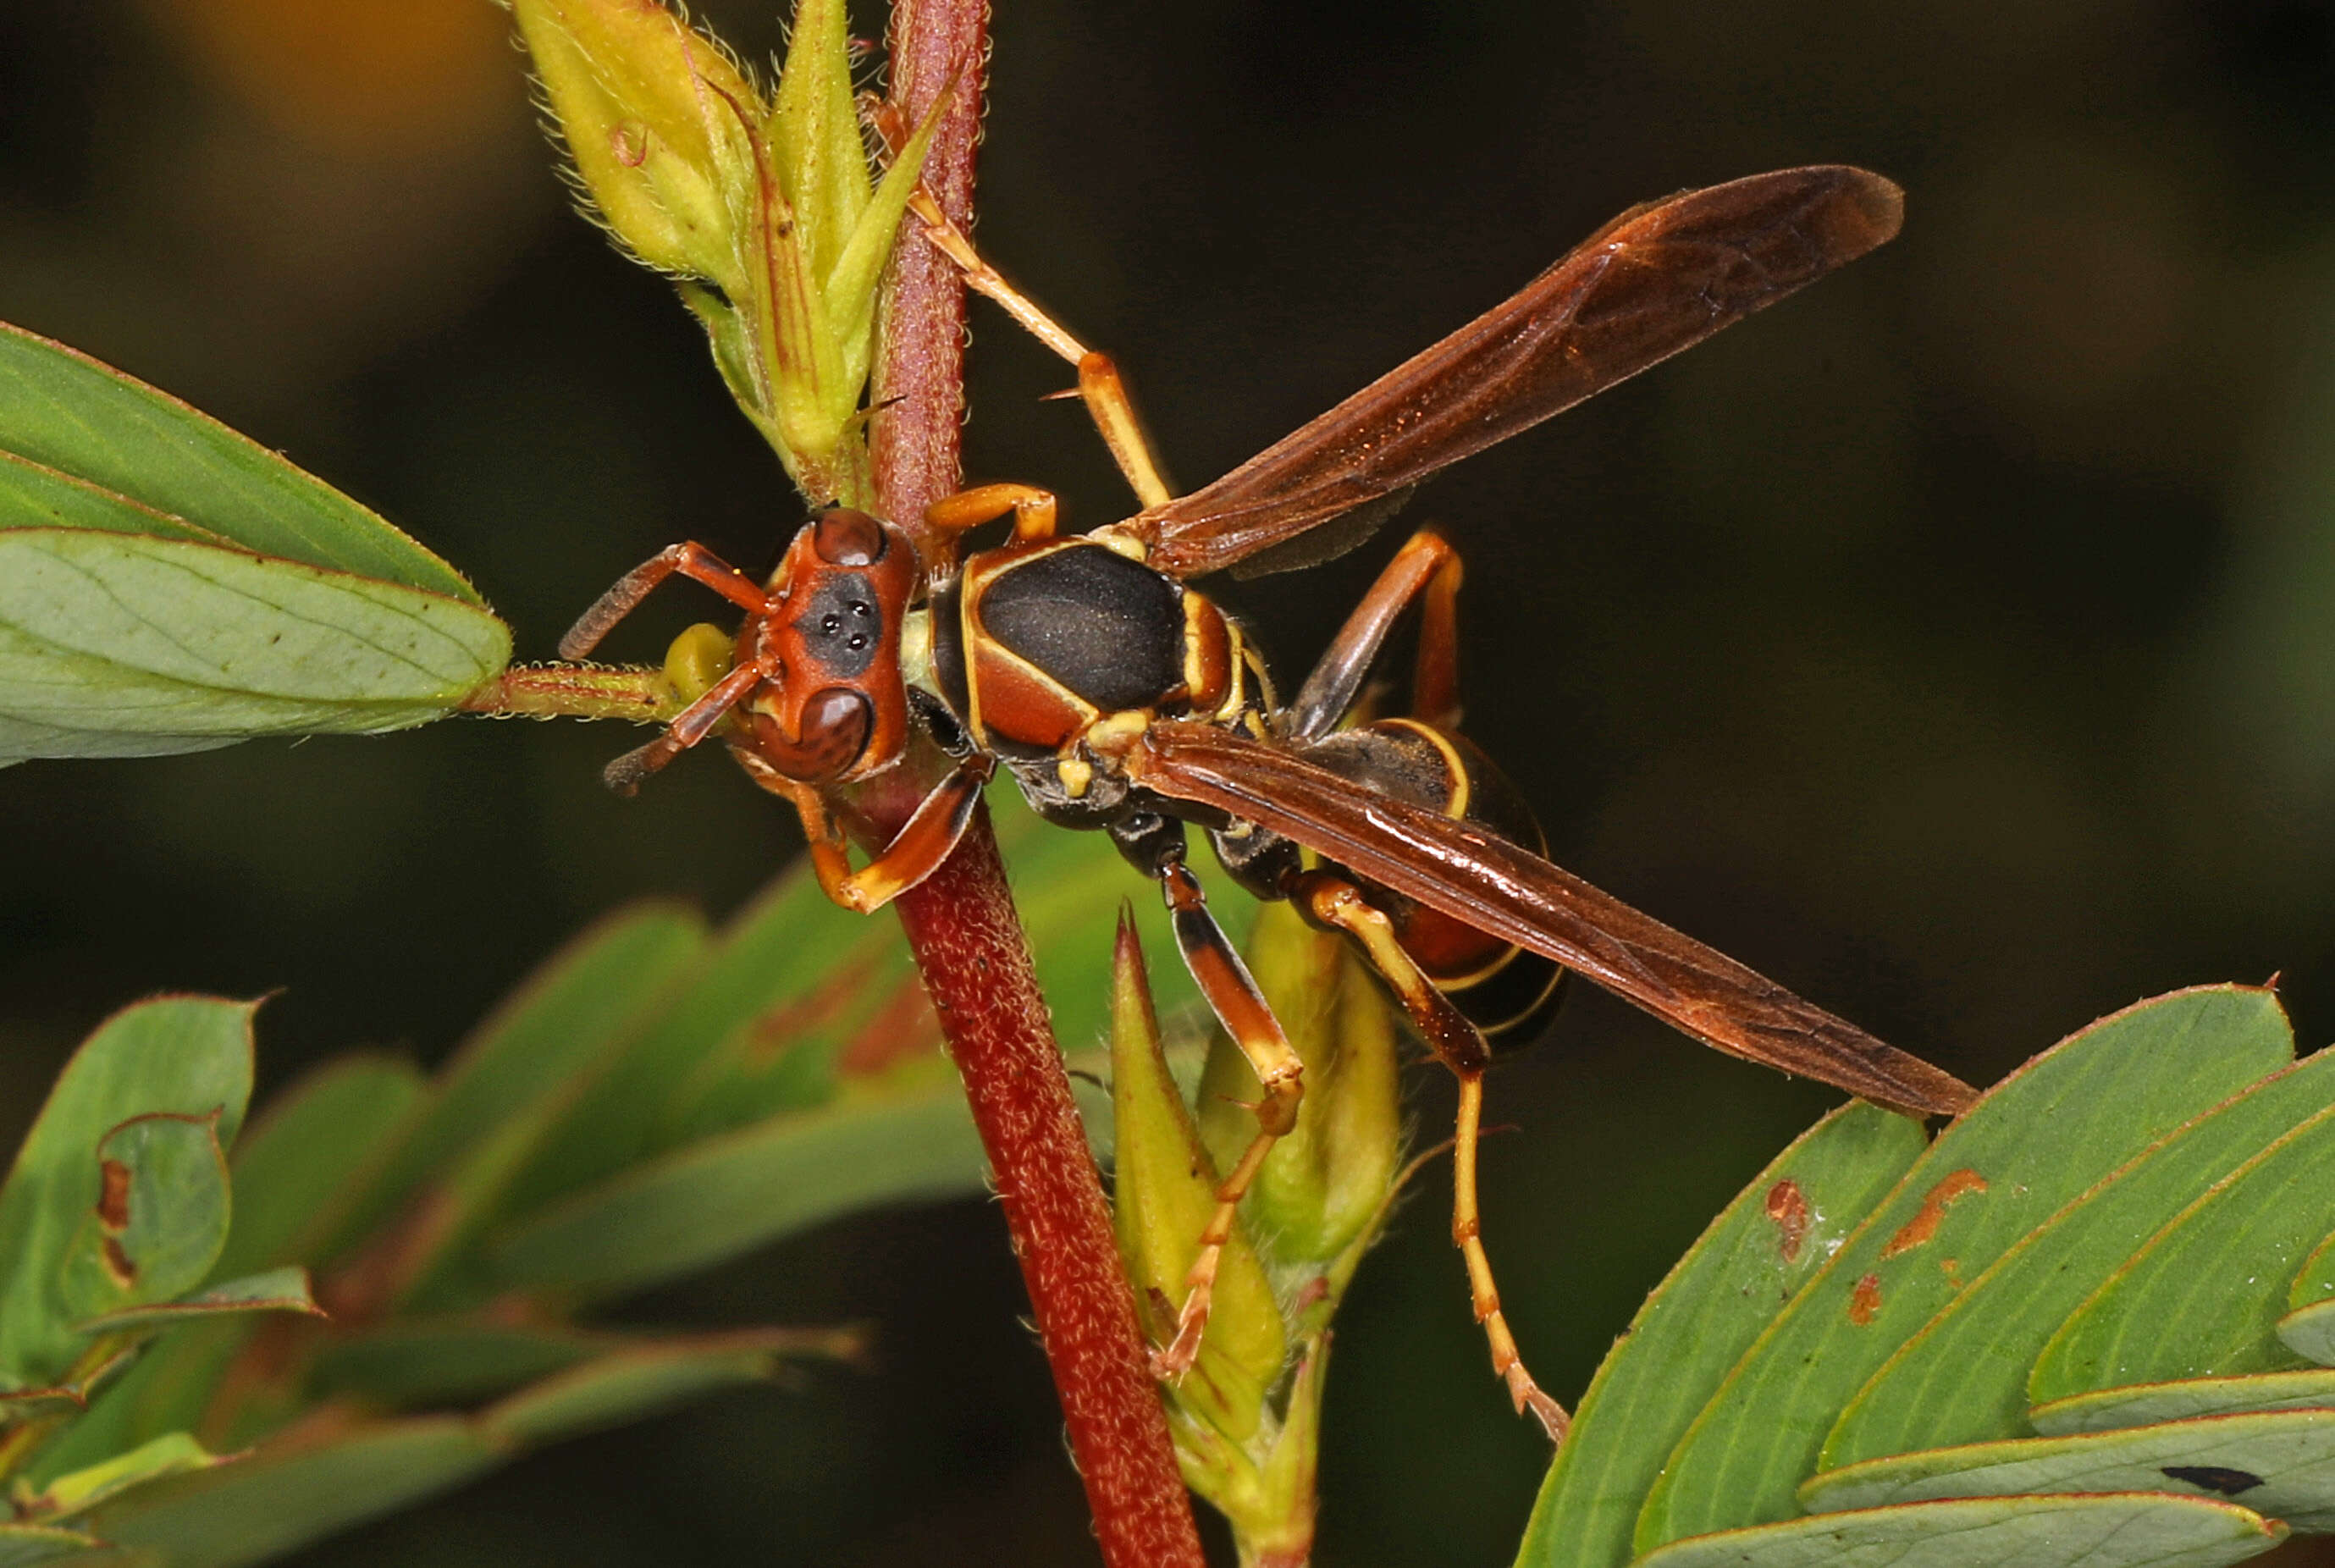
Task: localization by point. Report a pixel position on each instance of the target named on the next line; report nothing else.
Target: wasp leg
(1156, 844)
(1335, 902)
(691, 560)
(1033, 511)
(1425, 568)
(691, 725)
(1100, 385)
(929, 837)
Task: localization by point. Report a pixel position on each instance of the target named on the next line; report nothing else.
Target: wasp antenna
(623, 774)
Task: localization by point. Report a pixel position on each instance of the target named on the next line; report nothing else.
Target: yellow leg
(1242, 1009)
(1338, 903)
(1033, 511)
(1099, 383)
(928, 837)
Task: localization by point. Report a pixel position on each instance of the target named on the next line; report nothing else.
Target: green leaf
(35, 497)
(292, 1493)
(2281, 1465)
(73, 416)
(168, 1389)
(2147, 1404)
(275, 1291)
(723, 1196)
(1709, 1309)
(2131, 1532)
(159, 1224)
(2204, 1298)
(796, 1000)
(506, 1088)
(305, 1153)
(408, 1363)
(2311, 1332)
(173, 1454)
(22, 1545)
(773, 954)
(630, 1384)
(116, 644)
(2104, 1095)
(185, 1056)
(2316, 1281)
(1963, 1378)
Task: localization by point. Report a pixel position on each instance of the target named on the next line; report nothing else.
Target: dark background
(1948, 642)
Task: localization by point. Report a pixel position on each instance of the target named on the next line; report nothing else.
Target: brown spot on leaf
(1788, 1206)
(1864, 1301)
(904, 1027)
(822, 1008)
(113, 1196)
(1924, 1223)
(117, 1264)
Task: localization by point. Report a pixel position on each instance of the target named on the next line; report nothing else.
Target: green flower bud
(762, 209)
(1323, 1184)
(646, 106)
(1163, 1196)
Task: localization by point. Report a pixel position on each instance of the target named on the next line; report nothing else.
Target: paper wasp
(1120, 699)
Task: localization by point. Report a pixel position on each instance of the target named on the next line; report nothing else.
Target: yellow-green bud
(1163, 1197)
(652, 111)
(696, 659)
(1324, 1184)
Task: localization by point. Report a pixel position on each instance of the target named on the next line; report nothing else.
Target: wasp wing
(1507, 892)
(1659, 278)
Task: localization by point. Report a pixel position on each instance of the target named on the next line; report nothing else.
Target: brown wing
(1505, 891)
(1660, 278)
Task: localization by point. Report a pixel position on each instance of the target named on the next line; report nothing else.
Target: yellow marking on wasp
(1075, 776)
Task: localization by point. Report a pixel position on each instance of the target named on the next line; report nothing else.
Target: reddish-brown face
(832, 705)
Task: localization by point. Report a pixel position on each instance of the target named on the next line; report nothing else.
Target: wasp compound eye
(836, 725)
(844, 538)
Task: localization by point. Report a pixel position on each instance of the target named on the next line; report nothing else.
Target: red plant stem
(961, 924)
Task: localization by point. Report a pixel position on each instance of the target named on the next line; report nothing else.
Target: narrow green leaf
(159, 1224)
(2147, 1404)
(67, 412)
(850, 291)
(771, 954)
(291, 1493)
(306, 1150)
(2311, 1332)
(1963, 1378)
(814, 130)
(2204, 1298)
(2044, 1134)
(723, 1196)
(1699, 1320)
(408, 1363)
(2281, 1465)
(167, 1389)
(572, 1010)
(173, 1454)
(32, 495)
(275, 1291)
(628, 1385)
(187, 1056)
(115, 644)
(22, 1545)
(2128, 1532)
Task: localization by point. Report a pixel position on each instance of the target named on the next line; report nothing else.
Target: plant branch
(961, 924)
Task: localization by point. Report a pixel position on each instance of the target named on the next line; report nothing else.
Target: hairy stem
(961, 924)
